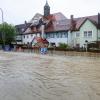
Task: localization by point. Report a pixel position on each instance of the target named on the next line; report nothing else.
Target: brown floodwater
(28, 76)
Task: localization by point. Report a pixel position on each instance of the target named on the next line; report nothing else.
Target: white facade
(57, 37)
(27, 38)
(58, 40)
(88, 31)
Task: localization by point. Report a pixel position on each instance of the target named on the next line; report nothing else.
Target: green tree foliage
(7, 33)
(63, 45)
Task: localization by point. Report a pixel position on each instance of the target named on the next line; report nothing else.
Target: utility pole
(3, 35)
(2, 15)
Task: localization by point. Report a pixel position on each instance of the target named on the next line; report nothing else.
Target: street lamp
(3, 37)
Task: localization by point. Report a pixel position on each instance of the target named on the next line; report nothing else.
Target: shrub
(63, 46)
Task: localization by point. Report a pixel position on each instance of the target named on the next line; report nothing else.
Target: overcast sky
(17, 11)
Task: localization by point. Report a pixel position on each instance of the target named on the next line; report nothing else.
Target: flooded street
(28, 76)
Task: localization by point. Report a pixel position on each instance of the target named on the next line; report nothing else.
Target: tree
(7, 33)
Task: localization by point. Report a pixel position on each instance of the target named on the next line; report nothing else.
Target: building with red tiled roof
(56, 25)
(59, 29)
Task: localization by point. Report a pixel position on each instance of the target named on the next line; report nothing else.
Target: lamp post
(3, 35)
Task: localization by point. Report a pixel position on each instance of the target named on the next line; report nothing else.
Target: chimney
(25, 23)
(98, 20)
(72, 23)
(71, 17)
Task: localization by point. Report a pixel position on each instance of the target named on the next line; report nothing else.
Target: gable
(88, 24)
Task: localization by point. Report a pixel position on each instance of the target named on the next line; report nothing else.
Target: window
(31, 35)
(27, 43)
(51, 35)
(77, 34)
(24, 36)
(88, 34)
(65, 34)
(52, 44)
(54, 35)
(85, 33)
(60, 35)
(57, 35)
(48, 35)
(27, 36)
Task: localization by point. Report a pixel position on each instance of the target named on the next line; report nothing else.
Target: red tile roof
(81, 20)
(41, 40)
(58, 22)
